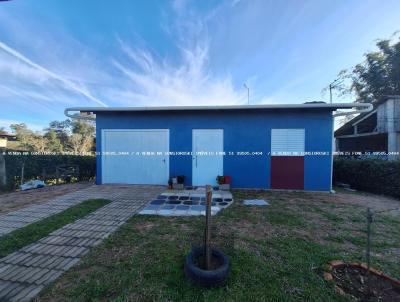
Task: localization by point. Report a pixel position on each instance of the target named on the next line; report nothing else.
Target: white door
(135, 156)
(208, 161)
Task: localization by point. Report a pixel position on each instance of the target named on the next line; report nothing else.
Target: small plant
(220, 180)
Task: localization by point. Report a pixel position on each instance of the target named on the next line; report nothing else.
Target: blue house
(258, 146)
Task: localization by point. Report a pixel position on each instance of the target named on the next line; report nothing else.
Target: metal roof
(226, 107)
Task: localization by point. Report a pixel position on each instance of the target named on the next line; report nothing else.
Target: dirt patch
(146, 226)
(354, 282)
(375, 202)
(16, 200)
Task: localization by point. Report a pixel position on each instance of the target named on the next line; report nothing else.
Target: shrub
(375, 176)
(35, 164)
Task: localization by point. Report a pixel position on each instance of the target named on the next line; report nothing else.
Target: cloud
(179, 6)
(41, 79)
(190, 82)
(188, 79)
(21, 70)
(38, 71)
(24, 94)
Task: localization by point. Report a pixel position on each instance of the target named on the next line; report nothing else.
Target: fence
(39, 166)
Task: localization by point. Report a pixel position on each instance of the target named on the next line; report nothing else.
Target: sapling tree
(370, 219)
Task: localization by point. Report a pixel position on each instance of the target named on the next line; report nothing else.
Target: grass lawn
(277, 252)
(33, 232)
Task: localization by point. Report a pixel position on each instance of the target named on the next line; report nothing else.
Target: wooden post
(22, 172)
(3, 174)
(57, 175)
(207, 239)
(368, 251)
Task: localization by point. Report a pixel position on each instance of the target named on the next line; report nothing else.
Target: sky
(73, 53)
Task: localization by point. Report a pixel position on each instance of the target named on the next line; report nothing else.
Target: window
(287, 142)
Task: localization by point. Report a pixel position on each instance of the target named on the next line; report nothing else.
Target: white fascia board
(332, 107)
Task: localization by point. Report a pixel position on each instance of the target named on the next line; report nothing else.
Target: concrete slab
(186, 203)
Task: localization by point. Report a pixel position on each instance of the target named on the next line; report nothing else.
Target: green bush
(375, 176)
(35, 164)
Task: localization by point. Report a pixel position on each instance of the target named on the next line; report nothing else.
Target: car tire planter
(207, 278)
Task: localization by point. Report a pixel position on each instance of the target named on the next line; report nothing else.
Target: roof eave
(228, 107)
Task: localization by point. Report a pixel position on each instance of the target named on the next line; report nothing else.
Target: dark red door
(287, 172)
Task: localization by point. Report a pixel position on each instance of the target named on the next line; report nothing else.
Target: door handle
(163, 160)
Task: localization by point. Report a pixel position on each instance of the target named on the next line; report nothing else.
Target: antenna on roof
(248, 93)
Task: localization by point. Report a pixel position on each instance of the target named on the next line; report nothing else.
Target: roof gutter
(359, 108)
(78, 115)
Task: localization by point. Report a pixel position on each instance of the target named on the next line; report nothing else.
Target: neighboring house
(375, 131)
(259, 146)
(3, 146)
(5, 139)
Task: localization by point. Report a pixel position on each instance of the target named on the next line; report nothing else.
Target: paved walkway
(25, 273)
(16, 200)
(20, 218)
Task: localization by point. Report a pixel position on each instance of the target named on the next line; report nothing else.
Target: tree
(75, 142)
(53, 143)
(30, 140)
(83, 127)
(82, 138)
(377, 76)
(62, 129)
(40, 144)
(25, 136)
(77, 136)
(2, 131)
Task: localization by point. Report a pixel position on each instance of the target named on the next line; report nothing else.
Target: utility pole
(333, 85)
(248, 93)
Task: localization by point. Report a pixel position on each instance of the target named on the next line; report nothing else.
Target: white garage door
(135, 156)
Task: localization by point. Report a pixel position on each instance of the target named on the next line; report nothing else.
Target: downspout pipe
(359, 108)
(78, 116)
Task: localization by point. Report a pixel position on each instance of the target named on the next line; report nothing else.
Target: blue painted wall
(248, 130)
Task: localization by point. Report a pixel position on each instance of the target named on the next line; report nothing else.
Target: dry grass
(276, 251)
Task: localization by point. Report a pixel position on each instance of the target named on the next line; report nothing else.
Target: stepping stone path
(187, 203)
(23, 274)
